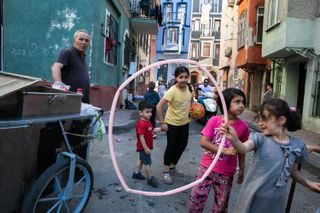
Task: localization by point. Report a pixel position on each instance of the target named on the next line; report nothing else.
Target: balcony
(203, 33)
(171, 48)
(278, 42)
(145, 16)
(174, 18)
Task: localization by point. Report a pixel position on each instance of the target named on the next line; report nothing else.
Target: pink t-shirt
(226, 165)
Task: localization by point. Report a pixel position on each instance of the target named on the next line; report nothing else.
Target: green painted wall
(36, 31)
(291, 33)
(316, 38)
(292, 84)
(310, 122)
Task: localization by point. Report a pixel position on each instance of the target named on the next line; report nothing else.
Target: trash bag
(130, 105)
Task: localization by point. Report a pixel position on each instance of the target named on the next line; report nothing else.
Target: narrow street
(61, 61)
(109, 196)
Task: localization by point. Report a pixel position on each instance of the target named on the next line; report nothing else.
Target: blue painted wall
(186, 26)
(167, 71)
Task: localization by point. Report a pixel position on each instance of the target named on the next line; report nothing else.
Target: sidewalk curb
(123, 121)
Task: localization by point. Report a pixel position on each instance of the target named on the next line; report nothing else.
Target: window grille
(242, 29)
(126, 52)
(316, 94)
(111, 39)
(259, 24)
(273, 12)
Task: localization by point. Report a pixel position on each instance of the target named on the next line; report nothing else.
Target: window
(194, 50)
(126, 51)
(196, 6)
(111, 39)
(167, 12)
(164, 35)
(217, 51)
(217, 25)
(259, 24)
(273, 12)
(214, 5)
(181, 16)
(197, 25)
(242, 30)
(172, 36)
(210, 24)
(206, 49)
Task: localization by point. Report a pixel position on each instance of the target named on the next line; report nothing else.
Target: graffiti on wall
(32, 49)
(64, 20)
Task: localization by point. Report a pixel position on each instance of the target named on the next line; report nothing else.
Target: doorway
(301, 87)
(194, 79)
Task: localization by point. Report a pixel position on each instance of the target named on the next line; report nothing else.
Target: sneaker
(152, 181)
(138, 176)
(154, 136)
(176, 172)
(167, 178)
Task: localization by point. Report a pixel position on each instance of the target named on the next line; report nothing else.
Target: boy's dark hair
(270, 84)
(228, 95)
(278, 108)
(182, 69)
(144, 105)
(151, 85)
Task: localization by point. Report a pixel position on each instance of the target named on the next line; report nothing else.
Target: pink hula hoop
(110, 129)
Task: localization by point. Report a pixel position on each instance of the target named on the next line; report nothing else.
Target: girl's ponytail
(294, 121)
(190, 87)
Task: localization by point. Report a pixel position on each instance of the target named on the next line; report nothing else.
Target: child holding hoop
(176, 121)
(276, 158)
(221, 176)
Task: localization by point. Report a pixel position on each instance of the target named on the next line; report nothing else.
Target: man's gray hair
(80, 31)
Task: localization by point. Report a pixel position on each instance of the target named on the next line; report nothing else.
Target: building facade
(249, 44)
(35, 32)
(205, 36)
(173, 36)
(230, 75)
(290, 40)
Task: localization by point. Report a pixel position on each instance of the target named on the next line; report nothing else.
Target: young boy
(153, 98)
(144, 130)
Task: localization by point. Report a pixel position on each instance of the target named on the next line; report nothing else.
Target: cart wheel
(49, 194)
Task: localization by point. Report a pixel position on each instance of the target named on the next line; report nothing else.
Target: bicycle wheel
(49, 193)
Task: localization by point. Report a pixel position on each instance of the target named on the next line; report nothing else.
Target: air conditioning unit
(228, 52)
(231, 3)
